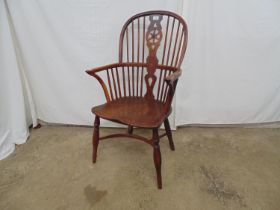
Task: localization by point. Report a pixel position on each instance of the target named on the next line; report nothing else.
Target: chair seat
(135, 111)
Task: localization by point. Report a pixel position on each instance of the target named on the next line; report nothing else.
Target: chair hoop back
(155, 38)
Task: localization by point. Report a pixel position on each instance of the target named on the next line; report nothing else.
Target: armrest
(173, 77)
(93, 72)
(102, 68)
(171, 81)
(114, 65)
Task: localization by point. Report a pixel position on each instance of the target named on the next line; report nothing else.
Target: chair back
(154, 36)
(157, 39)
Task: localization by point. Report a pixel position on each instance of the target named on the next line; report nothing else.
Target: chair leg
(157, 157)
(95, 138)
(169, 134)
(130, 129)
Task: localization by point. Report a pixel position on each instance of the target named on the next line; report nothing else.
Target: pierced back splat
(153, 38)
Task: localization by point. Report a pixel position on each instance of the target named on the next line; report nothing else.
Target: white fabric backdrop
(60, 40)
(232, 70)
(231, 73)
(17, 110)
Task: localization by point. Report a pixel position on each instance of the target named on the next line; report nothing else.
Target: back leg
(95, 138)
(130, 129)
(169, 134)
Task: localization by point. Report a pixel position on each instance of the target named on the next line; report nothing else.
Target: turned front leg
(95, 138)
(157, 156)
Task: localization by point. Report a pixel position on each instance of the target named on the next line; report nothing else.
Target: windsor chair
(139, 88)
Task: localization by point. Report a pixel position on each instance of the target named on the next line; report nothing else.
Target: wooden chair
(140, 87)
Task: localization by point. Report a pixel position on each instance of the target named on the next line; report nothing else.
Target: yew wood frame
(169, 71)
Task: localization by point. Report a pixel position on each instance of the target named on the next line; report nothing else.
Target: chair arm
(173, 77)
(102, 83)
(102, 68)
(171, 81)
(93, 72)
(115, 65)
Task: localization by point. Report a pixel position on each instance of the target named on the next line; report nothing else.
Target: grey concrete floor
(212, 168)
